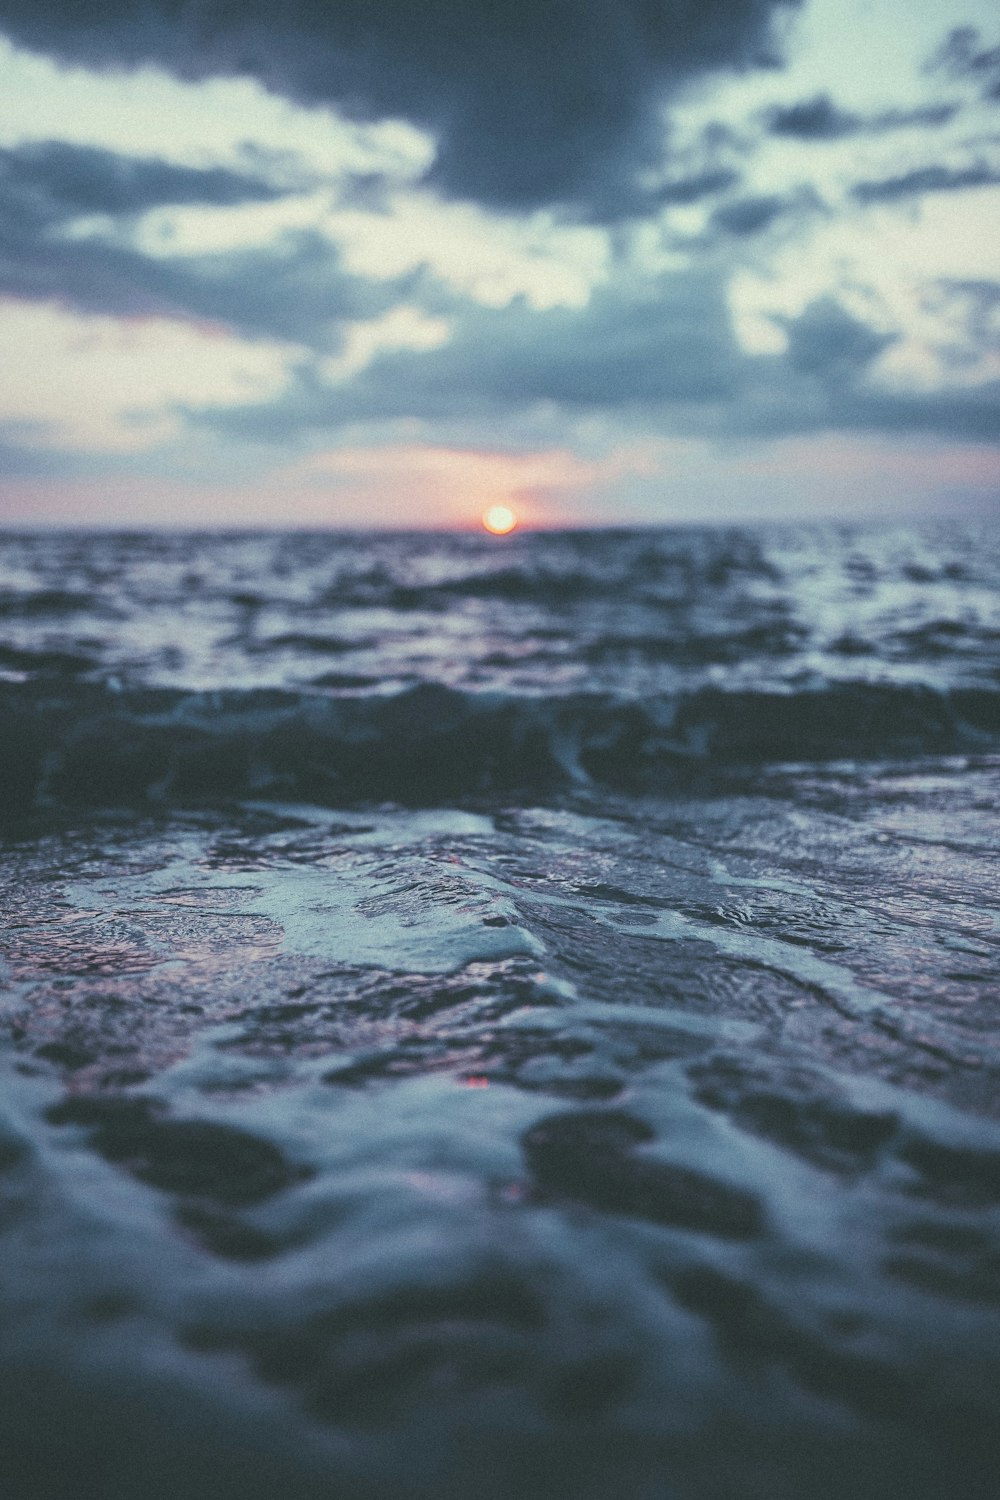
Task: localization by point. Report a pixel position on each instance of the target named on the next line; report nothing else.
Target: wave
(686, 647)
(509, 585)
(86, 744)
(40, 603)
(304, 642)
(565, 571)
(44, 663)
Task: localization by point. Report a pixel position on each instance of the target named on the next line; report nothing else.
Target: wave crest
(87, 744)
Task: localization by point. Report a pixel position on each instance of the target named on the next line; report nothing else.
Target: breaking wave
(89, 744)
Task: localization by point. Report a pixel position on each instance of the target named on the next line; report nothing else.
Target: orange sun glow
(499, 519)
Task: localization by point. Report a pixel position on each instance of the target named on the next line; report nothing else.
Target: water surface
(504, 1018)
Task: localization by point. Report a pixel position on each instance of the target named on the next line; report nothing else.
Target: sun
(499, 519)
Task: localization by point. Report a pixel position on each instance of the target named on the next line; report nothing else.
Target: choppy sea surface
(500, 1018)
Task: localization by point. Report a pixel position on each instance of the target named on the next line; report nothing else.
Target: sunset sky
(372, 262)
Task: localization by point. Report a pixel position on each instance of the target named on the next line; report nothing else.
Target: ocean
(487, 1018)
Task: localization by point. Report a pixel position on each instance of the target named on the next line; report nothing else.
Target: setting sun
(499, 519)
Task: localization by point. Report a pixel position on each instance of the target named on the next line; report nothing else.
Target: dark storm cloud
(49, 181)
(553, 103)
(816, 119)
(827, 341)
(964, 55)
(661, 342)
(294, 289)
(668, 341)
(933, 179)
(746, 216)
(819, 119)
(825, 382)
(667, 356)
(697, 186)
(967, 414)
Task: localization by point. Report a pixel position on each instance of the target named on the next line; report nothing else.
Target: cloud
(963, 55)
(978, 302)
(52, 181)
(530, 104)
(664, 340)
(294, 288)
(970, 414)
(21, 460)
(699, 185)
(966, 326)
(421, 321)
(819, 119)
(826, 382)
(827, 341)
(660, 357)
(932, 179)
(746, 216)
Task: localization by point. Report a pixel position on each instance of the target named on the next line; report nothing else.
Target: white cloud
(106, 384)
(208, 230)
(147, 112)
(403, 327)
(481, 255)
(884, 263)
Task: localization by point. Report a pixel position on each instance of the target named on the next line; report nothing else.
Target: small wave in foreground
(91, 745)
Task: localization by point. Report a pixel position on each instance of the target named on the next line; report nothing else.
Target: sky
(378, 263)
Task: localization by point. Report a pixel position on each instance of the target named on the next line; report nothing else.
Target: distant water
(501, 1018)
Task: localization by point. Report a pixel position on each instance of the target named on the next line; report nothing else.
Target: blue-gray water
(500, 1018)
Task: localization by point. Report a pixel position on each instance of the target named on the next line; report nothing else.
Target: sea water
(500, 1017)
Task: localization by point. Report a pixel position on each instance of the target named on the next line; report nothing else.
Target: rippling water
(501, 1018)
